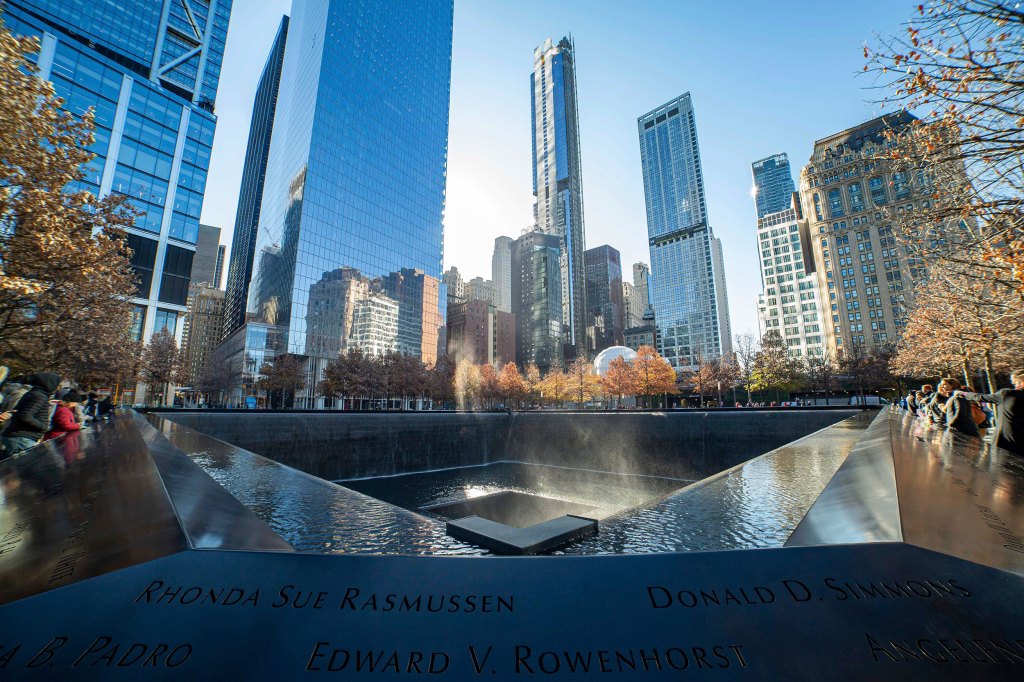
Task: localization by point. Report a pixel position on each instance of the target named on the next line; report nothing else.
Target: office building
(480, 289)
(250, 194)
(605, 315)
(149, 71)
(691, 312)
(218, 273)
(633, 306)
(204, 264)
(558, 179)
(641, 335)
(789, 303)
(481, 334)
(501, 273)
(641, 282)
(454, 283)
(204, 322)
(773, 184)
(848, 195)
(355, 180)
(537, 300)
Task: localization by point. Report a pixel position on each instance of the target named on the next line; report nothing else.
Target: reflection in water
(756, 505)
(608, 493)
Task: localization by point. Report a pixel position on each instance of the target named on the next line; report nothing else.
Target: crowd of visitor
(961, 409)
(35, 408)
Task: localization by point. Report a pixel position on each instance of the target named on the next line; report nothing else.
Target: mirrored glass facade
(349, 245)
(687, 276)
(605, 313)
(154, 130)
(537, 300)
(773, 184)
(254, 175)
(558, 178)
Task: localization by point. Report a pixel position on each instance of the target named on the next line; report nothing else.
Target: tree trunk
(989, 373)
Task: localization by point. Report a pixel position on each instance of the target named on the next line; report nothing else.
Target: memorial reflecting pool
(655, 482)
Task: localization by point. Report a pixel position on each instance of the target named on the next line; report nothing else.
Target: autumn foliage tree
(65, 280)
(511, 385)
(581, 384)
(620, 380)
(653, 374)
(959, 325)
(959, 65)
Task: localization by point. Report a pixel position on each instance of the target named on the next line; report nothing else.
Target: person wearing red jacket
(63, 419)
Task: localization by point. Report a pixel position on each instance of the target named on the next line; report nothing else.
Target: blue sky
(764, 77)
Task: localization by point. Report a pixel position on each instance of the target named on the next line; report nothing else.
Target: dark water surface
(607, 493)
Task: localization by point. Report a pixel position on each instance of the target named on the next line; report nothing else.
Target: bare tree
(746, 349)
(215, 379)
(285, 374)
(774, 370)
(161, 363)
(821, 372)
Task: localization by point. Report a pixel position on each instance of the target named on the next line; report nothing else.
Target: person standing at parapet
(31, 417)
(959, 416)
(1009, 402)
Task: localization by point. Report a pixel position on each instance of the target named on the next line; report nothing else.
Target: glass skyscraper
(254, 174)
(349, 245)
(691, 310)
(537, 300)
(773, 184)
(149, 69)
(605, 314)
(558, 179)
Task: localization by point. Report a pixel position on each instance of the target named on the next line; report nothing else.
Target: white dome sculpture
(605, 357)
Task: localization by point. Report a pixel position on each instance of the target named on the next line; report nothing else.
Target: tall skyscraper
(641, 282)
(537, 300)
(688, 282)
(355, 179)
(773, 184)
(501, 273)
(864, 277)
(250, 195)
(605, 314)
(218, 272)
(150, 72)
(558, 179)
(204, 265)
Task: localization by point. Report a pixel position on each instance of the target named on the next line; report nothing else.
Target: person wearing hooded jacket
(30, 419)
(64, 420)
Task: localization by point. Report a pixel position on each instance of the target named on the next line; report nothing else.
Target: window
(835, 204)
(817, 207)
(138, 321)
(177, 271)
(165, 319)
(900, 186)
(856, 198)
(142, 261)
(878, 196)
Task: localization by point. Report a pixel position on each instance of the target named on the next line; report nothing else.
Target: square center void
(519, 510)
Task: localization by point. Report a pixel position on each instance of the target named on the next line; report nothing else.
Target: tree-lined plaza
(66, 280)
